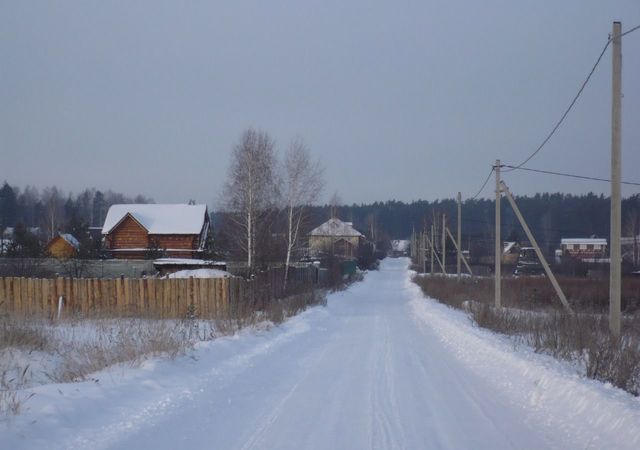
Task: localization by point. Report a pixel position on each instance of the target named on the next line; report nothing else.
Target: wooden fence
(149, 297)
(165, 298)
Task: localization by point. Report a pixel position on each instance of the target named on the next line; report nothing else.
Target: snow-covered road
(380, 367)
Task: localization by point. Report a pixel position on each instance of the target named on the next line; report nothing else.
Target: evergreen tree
(8, 206)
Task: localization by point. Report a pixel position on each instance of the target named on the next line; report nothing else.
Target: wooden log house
(141, 231)
(63, 246)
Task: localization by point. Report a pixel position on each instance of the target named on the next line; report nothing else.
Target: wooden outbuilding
(142, 231)
(337, 237)
(63, 246)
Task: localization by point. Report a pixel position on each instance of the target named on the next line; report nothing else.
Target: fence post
(60, 304)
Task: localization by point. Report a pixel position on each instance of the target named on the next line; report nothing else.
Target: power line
(630, 31)
(570, 175)
(566, 113)
(483, 184)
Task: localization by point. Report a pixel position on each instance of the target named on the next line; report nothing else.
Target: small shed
(510, 252)
(64, 246)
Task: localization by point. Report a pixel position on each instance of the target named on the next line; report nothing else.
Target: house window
(589, 246)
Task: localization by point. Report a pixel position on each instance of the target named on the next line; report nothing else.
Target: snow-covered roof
(399, 245)
(159, 218)
(71, 240)
(576, 241)
(508, 246)
(335, 227)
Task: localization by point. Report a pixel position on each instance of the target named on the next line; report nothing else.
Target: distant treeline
(51, 210)
(550, 216)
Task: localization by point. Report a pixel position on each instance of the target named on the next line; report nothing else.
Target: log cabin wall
(128, 234)
(175, 241)
(59, 248)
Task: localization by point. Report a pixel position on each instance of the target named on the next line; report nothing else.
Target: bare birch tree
(334, 203)
(54, 211)
(302, 184)
(251, 188)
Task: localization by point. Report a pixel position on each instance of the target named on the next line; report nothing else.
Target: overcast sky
(400, 99)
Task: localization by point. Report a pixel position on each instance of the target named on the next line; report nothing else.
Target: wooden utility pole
(431, 246)
(541, 257)
(459, 259)
(436, 256)
(498, 246)
(464, 260)
(444, 243)
(424, 249)
(615, 281)
(413, 244)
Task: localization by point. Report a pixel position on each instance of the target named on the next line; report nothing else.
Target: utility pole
(413, 243)
(498, 248)
(615, 252)
(459, 259)
(424, 249)
(536, 247)
(464, 260)
(437, 258)
(431, 246)
(444, 243)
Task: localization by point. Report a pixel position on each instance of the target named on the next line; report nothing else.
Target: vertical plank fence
(150, 297)
(162, 298)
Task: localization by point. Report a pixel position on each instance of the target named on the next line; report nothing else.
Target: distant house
(510, 252)
(139, 231)
(63, 246)
(584, 248)
(6, 239)
(337, 237)
(400, 247)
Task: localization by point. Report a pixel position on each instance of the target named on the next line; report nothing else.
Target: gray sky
(401, 100)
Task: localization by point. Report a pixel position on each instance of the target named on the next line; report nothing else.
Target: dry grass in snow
(533, 317)
(36, 350)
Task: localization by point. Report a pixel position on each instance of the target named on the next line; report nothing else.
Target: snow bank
(200, 273)
(589, 413)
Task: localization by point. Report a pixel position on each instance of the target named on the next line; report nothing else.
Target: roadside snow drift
(379, 367)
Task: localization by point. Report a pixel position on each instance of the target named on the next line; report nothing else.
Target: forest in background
(550, 216)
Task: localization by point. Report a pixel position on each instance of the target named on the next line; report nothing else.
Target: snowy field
(379, 367)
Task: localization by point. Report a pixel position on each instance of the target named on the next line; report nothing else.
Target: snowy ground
(379, 367)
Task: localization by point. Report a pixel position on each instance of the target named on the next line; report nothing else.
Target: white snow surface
(584, 241)
(400, 245)
(200, 273)
(159, 218)
(335, 227)
(380, 367)
(186, 262)
(71, 240)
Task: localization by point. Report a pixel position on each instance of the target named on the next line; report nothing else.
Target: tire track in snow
(255, 440)
(387, 423)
